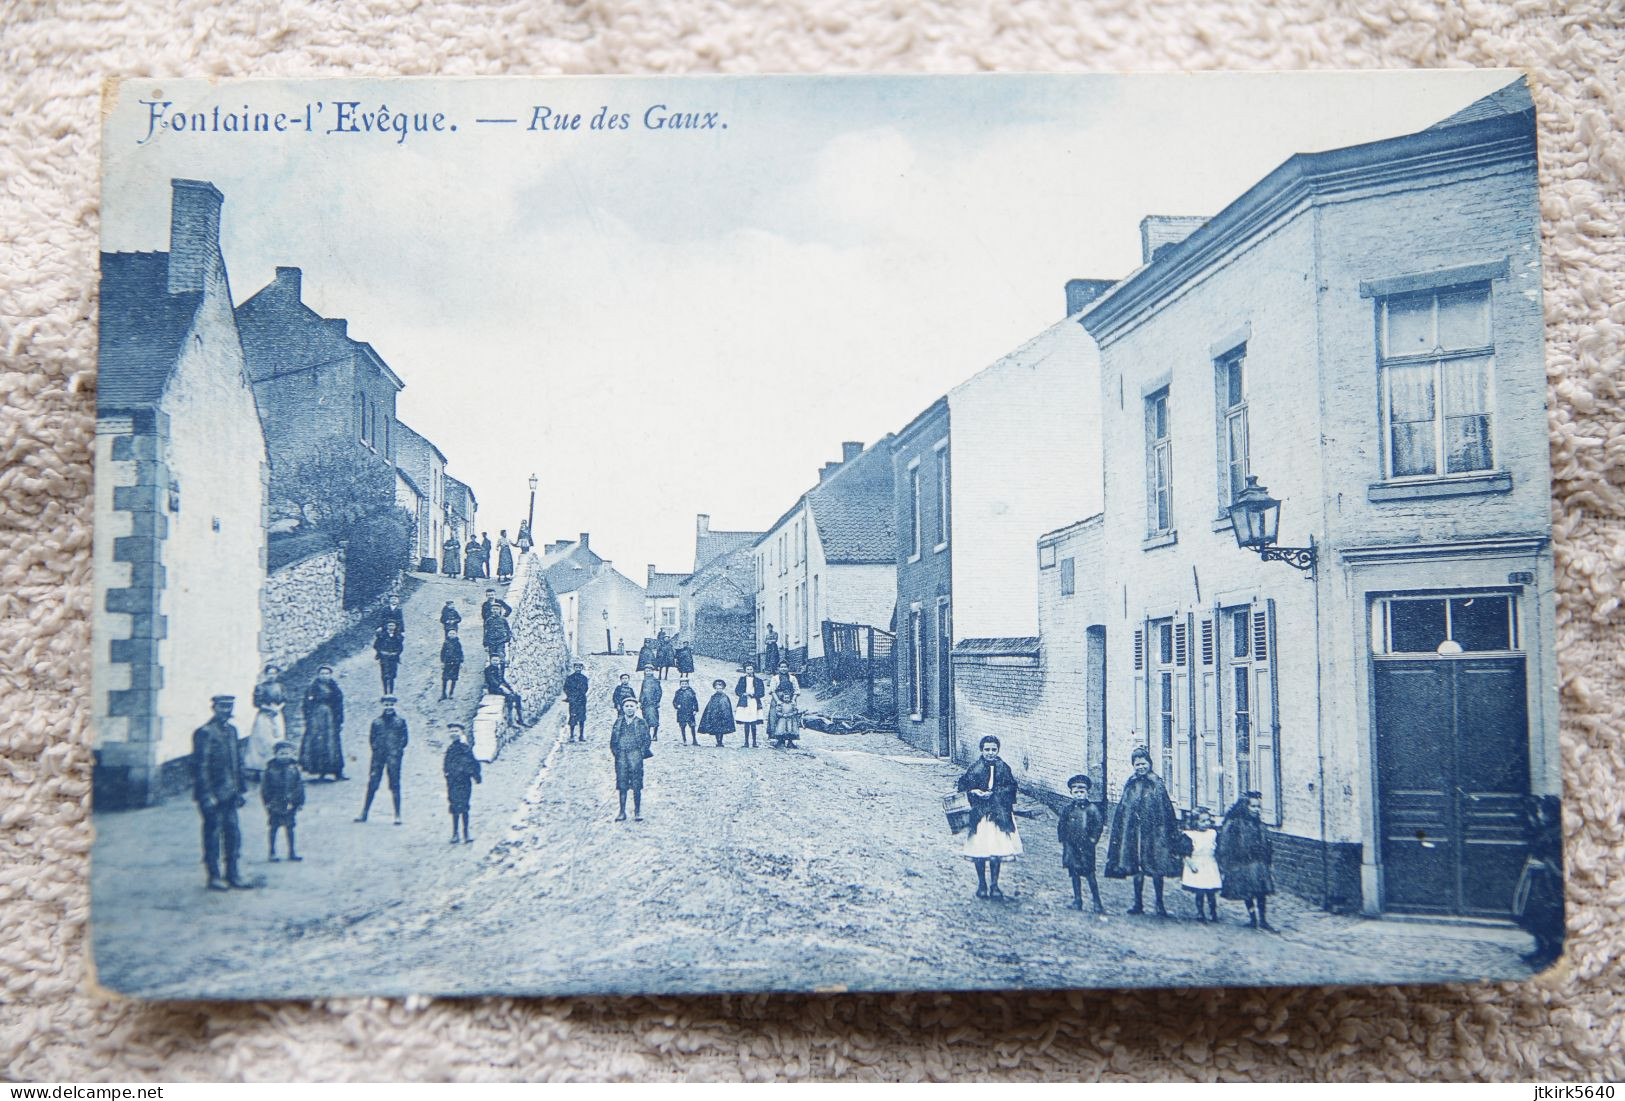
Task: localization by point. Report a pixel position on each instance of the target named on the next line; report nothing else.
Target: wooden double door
(1452, 776)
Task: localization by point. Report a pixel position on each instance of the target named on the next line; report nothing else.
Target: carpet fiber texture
(1569, 1025)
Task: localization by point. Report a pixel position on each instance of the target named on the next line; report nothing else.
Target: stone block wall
(538, 656)
(304, 606)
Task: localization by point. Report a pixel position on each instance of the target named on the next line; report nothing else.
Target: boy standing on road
(1079, 831)
(388, 739)
(1244, 851)
(451, 663)
(629, 745)
(687, 705)
(462, 771)
(283, 792)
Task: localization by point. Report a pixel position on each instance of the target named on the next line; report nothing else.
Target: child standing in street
(687, 705)
(1243, 852)
(1201, 872)
(718, 720)
(283, 791)
(451, 663)
(1079, 831)
(462, 771)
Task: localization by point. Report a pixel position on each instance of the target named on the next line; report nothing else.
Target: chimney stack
(702, 524)
(826, 470)
(1081, 292)
(290, 281)
(194, 235)
(651, 580)
(585, 541)
(851, 450)
(1159, 231)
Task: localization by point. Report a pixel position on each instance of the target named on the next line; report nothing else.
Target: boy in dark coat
(451, 663)
(393, 614)
(575, 694)
(450, 617)
(648, 655)
(1143, 833)
(629, 745)
(497, 635)
(1243, 852)
(649, 700)
(462, 770)
(387, 738)
(387, 645)
(718, 720)
(665, 654)
(283, 792)
(623, 692)
(1079, 831)
(687, 705)
(490, 605)
(513, 705)
(219, 789)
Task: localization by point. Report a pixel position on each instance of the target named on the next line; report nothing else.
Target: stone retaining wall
(538, 657)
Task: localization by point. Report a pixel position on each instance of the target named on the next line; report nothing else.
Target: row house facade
(662, 603)
(181, 505)
(1361, 333)
(425, 464)
(462, 509)
(831, 558)
(718, 599)
(601, 608)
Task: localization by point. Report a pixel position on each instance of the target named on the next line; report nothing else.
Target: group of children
(724, 713)
(1232, 859)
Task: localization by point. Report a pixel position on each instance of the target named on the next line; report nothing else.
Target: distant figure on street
(497, 635)
(993, 838)
(665, 654)
(462, 771)
(623, 692)
(748, 695)
(269, 728)
(629, 744)
(685, 660)
(1537, 901)
(1243, 854)
(450, 554)
(492, 604)
(451, 663)
(283, 793)
(218, 789)
(649, 700)
(388, 739)
(1142, 841)
(648, 655)
(485, 554)
(393, 614)
(513, 707)
(575, 696)
(1079, 830)
(1201, 874)
(471, 559)
(718, 720)
(504, 557)
(386, 646)
(450, 617)
(770, 643)
(524, 542)
(687, 705)
(783, 716)
(322, 751)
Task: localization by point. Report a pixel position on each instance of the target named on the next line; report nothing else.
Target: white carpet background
(1564, 1027)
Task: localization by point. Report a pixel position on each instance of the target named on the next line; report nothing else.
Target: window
(1234, 455)
(1068, 577)
(1159, 464)
(1446, 625)
(1046, 557)
(1162, 693)
(1436, 363)
(942, 497)
(916, 663)
(361, 416)
(387, 452)
(914, 509)
(818, 618)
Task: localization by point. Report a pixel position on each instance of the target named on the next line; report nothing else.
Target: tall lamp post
(609, 647)
(530, 517)
(1255, 518)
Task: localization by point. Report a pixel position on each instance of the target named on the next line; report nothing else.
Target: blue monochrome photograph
(870, 533)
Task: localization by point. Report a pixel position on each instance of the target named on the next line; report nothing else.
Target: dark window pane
(1481, 622)
(1415, 626)
(1240, 697)
(1234, 393)
(1165, 643)
(1238, 633)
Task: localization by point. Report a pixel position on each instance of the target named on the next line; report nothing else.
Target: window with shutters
(1436, 362)
(1163, 697)
(1159, 465)
(1249, 694)
(1231, 380)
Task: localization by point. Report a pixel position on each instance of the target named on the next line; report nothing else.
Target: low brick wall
(538, 657)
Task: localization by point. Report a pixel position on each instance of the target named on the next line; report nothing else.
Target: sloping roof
(570, 567)
(142, 327)
(410, 484)
(711, 545)
(855, 510)
(455, 486)
(1510, 99)
(664, 584)
(412, 435)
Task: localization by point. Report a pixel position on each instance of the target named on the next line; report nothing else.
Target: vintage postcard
(647, 535)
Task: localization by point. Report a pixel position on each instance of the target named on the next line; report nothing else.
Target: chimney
(851, 450)
(194, 234)
(585, 542)
(702, 524)
(1158, 231)
(290, 282)
(1081, 292)
(651, 580)
(339, 325)
(826, 470)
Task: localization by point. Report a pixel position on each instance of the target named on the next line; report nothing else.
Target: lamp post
(609, 647)
(530, 517)
(1255, 519)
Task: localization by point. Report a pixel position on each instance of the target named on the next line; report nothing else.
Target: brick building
(922, 499)
(718, 599)
(1361, 332)
(181, 474)
(830, 558)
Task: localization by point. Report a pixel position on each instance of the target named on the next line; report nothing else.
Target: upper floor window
(1159, 464)
(1069, 577)
(942, 497)
(914, 510)
(1436, 363)
(1234, 447)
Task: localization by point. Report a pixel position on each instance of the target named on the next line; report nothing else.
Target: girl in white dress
(993, 839)
(1201, 871)
(268, 728)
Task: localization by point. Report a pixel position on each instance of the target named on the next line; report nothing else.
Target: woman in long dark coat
(1142, 841)
(450, 555)
(993, 838)
(685, 660)
(629, 745)
(718, 718)
(1243, 852)
(471, 559)
(322, 752)
(504, 558)
(665, 654)
(647, 655)
(1538, 900)
(649, 697)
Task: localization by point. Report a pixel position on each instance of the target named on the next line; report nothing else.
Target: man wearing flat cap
(218, 788)
(388, 739)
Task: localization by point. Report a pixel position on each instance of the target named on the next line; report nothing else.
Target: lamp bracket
(1300, 558)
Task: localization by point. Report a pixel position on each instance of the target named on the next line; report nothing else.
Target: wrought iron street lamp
(609, 648)
(530, 518)
(1255, 518)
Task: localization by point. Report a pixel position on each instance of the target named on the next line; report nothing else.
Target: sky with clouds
(659, 322)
